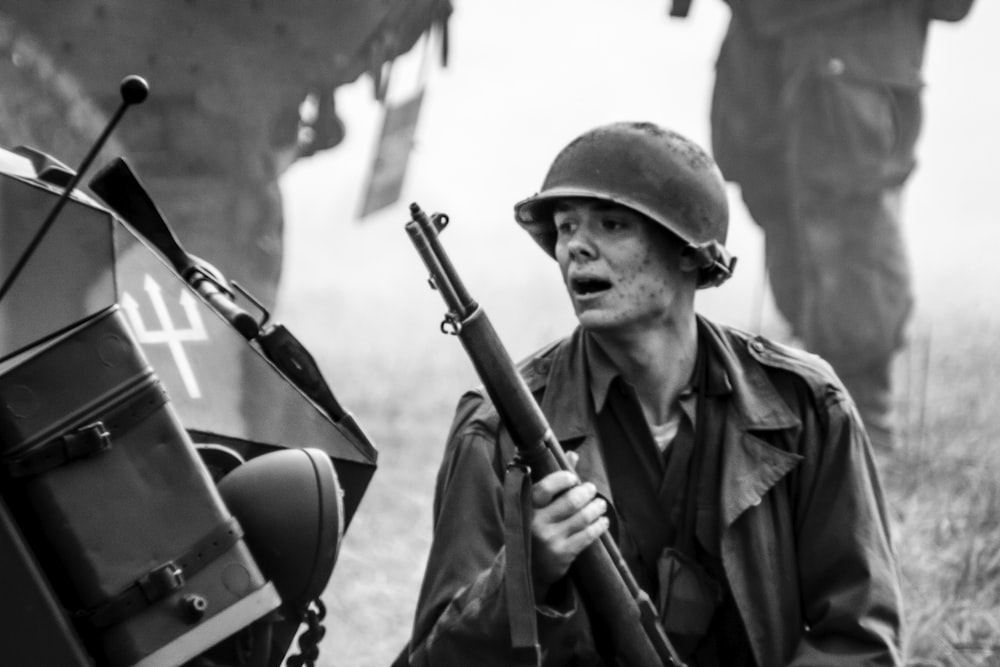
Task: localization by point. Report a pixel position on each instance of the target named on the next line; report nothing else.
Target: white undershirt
(665, 433)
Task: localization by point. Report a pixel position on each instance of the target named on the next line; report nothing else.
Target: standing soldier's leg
(749, 141)
(840, 143)
(858, 297)
(853, 126)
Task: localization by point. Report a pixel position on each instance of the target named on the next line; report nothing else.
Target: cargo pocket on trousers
(855, 134)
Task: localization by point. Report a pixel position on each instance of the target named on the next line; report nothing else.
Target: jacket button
(757, 346)
(836, 66)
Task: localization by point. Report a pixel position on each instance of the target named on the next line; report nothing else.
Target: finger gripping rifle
(612, 595)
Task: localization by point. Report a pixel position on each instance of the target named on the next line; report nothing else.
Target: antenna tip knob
(134, 89)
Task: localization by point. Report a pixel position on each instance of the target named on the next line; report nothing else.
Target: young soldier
(733, 473)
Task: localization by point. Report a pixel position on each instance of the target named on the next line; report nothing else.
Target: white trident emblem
(168, 334)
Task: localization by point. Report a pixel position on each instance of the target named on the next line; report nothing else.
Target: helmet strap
(714, 262)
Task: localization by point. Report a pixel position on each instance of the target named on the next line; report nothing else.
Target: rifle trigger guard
(450, 325)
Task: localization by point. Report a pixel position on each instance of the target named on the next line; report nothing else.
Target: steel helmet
(649, 169)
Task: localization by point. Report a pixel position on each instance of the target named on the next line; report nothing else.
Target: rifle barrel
(599, 572)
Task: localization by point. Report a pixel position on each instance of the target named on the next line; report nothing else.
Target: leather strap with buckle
(165, 579)
(92, 439)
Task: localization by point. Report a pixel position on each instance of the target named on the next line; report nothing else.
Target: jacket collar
(750, 465)
(757, 403)
(568, 407)
(603, 372)
(567, 401)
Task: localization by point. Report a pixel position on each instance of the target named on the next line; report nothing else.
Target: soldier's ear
(712, 260)
(690, 260)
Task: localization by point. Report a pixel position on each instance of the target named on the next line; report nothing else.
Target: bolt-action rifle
(613, 597)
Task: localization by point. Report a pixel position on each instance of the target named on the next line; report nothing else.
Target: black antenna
(134, 90)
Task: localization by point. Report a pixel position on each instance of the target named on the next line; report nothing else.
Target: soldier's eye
(565, 226)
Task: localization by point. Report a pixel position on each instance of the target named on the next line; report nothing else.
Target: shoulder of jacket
(813, 369)
(536, 366)
(475, 408)
(475, 411)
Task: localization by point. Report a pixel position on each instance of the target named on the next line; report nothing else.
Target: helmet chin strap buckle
(715, 263)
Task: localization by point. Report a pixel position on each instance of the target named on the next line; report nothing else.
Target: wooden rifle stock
(611, 593)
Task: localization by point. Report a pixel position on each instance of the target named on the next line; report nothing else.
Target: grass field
(945, 502)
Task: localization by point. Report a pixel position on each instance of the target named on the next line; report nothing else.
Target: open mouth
(587, 286)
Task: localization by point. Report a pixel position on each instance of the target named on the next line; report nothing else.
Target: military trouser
(821, 143)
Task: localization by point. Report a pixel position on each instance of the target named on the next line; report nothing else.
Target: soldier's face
(621, 270)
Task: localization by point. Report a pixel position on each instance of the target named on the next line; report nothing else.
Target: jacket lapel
(750, 466)
(566, 404)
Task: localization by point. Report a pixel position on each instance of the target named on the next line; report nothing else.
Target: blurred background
(263, 163)
(523, 78)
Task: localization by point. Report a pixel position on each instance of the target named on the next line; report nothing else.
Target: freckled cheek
(654, 291)
(648, 287)
(639, 286)
(627, 280)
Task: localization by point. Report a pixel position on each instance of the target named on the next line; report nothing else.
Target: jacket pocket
(855, 134)
(688, 599)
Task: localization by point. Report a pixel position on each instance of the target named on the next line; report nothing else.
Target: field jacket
(805, 540)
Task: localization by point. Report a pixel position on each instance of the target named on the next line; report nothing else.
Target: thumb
(572, 457)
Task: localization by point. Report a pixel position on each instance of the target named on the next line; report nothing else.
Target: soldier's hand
(568, 518)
